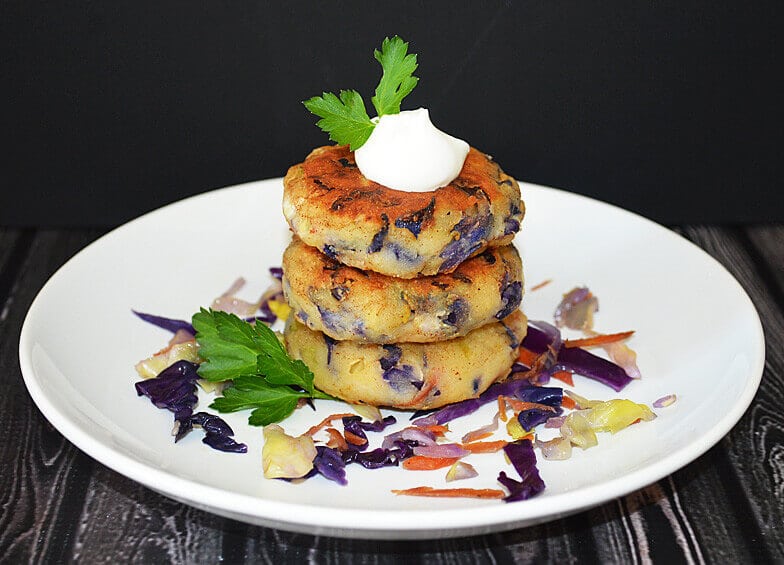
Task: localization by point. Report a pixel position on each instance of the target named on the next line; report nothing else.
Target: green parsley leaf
(226, 344)
(397, 80)
(251, 355)
(344, 119)
(271, 403)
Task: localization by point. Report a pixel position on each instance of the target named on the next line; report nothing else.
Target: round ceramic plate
(697, 336)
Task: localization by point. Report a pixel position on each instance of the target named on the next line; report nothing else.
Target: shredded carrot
(325, 422)
(519, 405)
(476, 437)
(535, 364)
(564, 376)
(437, 430)
(421, 395)
(452, 492)
(568, 403)
(527, 357)
(336, 440)
(422, 463)
(601, 339)
(541, 285)
(484, 446)
(353, 438)
(502, 409)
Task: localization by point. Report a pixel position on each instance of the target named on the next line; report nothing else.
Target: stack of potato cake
(402, 299)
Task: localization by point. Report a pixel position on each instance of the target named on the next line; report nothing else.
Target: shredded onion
(461, 470)
(623, 355)
(227, 302)
(576, 309)
(481, 432)
(665, 401)
(557, 449)
(412, 433)
(581, 402)
(578, 431)
(439, 451)
(555, 422)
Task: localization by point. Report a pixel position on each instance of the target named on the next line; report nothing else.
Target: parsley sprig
(264, 378)
(345, 118)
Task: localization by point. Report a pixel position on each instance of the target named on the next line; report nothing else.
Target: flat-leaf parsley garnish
(345, 118)
(264, 378)
(398, 79)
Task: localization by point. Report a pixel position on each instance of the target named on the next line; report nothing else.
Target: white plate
(698, 336)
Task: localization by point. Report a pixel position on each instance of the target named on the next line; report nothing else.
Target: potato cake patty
(410, 376)
(330, 205)
(349, 303)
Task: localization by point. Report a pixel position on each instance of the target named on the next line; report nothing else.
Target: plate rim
(386, 523)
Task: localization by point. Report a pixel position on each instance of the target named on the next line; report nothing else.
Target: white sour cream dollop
(407, 152)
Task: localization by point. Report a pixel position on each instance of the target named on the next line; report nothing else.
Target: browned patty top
(334, 183)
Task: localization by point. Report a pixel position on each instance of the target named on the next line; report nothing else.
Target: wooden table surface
(58, 505)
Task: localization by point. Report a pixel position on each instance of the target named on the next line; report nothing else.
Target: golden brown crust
(330, 205)
(348, 303)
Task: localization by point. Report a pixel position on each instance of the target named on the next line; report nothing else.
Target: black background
(110, 109)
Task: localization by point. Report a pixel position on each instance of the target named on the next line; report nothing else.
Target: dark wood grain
(43, 476)
(58, 505)
(768, 241)
(755, 447)
(121, 521)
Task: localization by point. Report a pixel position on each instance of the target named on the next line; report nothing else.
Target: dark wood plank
(769, 242)
(122, 521)
(14, 247)
(41, 474)
(754, 446)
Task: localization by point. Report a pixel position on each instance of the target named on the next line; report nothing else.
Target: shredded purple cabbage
(170, 324)
(217, 433)
(532, 417)
(174, 389)
(576, 360)
(540, 336)
(521, 389)
(580, 361)
(173, 325)
(356, 426)
(329, 463)
(276, 272)
(521, 454)
(381, 457)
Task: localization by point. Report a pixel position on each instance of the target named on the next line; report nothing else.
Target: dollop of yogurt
(407, 152)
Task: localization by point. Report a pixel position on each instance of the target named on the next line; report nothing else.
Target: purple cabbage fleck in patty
(330, 251)
(330, 346)
(378, 240)
(399, 377)
(339, 292)
(413, 221)
(473, 232)
(512, 222)
(511, 296)
(402, 254)
(457, 313)
(514, 341)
